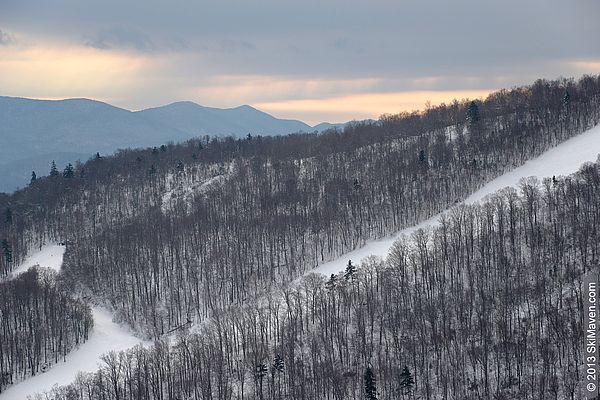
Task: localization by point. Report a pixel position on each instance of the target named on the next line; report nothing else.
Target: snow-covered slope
(106, 336)
(49, 256)
(563, 159)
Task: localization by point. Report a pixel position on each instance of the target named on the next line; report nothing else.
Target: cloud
(6, 38)
(591, 66)
(270, 52)
(59, 72)
(261, 88)
(120, 38)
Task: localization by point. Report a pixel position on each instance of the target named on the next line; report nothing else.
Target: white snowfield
(105, 336)
(49, 256)
(564, 159)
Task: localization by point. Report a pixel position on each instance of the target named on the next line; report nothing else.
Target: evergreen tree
(422, 156)
(98, 156)
(33, 177)
(566, 99)
(259, 374)
(53, 169)
(69, 171)
(180, 167)
(261, 371)
(350, 270)
(7, 249)
(370, 385)
(277, 369)
(330, 285)
(8, 216)
(476, 134)
(473, 113)
(406, 381)
(278, 363)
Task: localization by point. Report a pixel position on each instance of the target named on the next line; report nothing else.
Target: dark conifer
(473, 113)
(180, 167)
(566, 99)
(278, 364)
(350, 271)
(330, 285)
(8, 218)
(53, 169)
(69, 171)
(370, 385)
(406, 381)
(7, 249)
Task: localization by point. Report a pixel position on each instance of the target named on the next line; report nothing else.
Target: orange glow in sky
(136, 80)
(60, 72)
(363, 106)
(76, 71)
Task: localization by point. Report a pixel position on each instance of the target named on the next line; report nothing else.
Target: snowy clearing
(564, 159)
(49, 256)
(105, 336)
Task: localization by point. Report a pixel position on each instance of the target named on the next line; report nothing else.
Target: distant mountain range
(35, 132)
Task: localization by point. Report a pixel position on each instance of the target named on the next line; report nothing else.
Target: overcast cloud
(278, 53)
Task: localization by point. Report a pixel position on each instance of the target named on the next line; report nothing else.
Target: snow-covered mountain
(35, 132)
(107, 336)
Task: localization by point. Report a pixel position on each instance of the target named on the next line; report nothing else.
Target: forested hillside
(172, 234)
(207, 233)
(40, 323)
(487, 305)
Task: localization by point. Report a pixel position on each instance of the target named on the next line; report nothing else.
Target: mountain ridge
(33, 131)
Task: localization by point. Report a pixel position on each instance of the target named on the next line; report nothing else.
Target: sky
(325, 60)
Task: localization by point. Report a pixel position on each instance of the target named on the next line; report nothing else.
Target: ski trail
(564, 159)
(105, 336)
(49, 256)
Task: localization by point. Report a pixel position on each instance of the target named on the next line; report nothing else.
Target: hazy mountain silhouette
(35, 132)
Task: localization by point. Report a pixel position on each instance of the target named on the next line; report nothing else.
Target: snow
(49, 256)
(105, 336)
(185, 189)
(564, 159)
